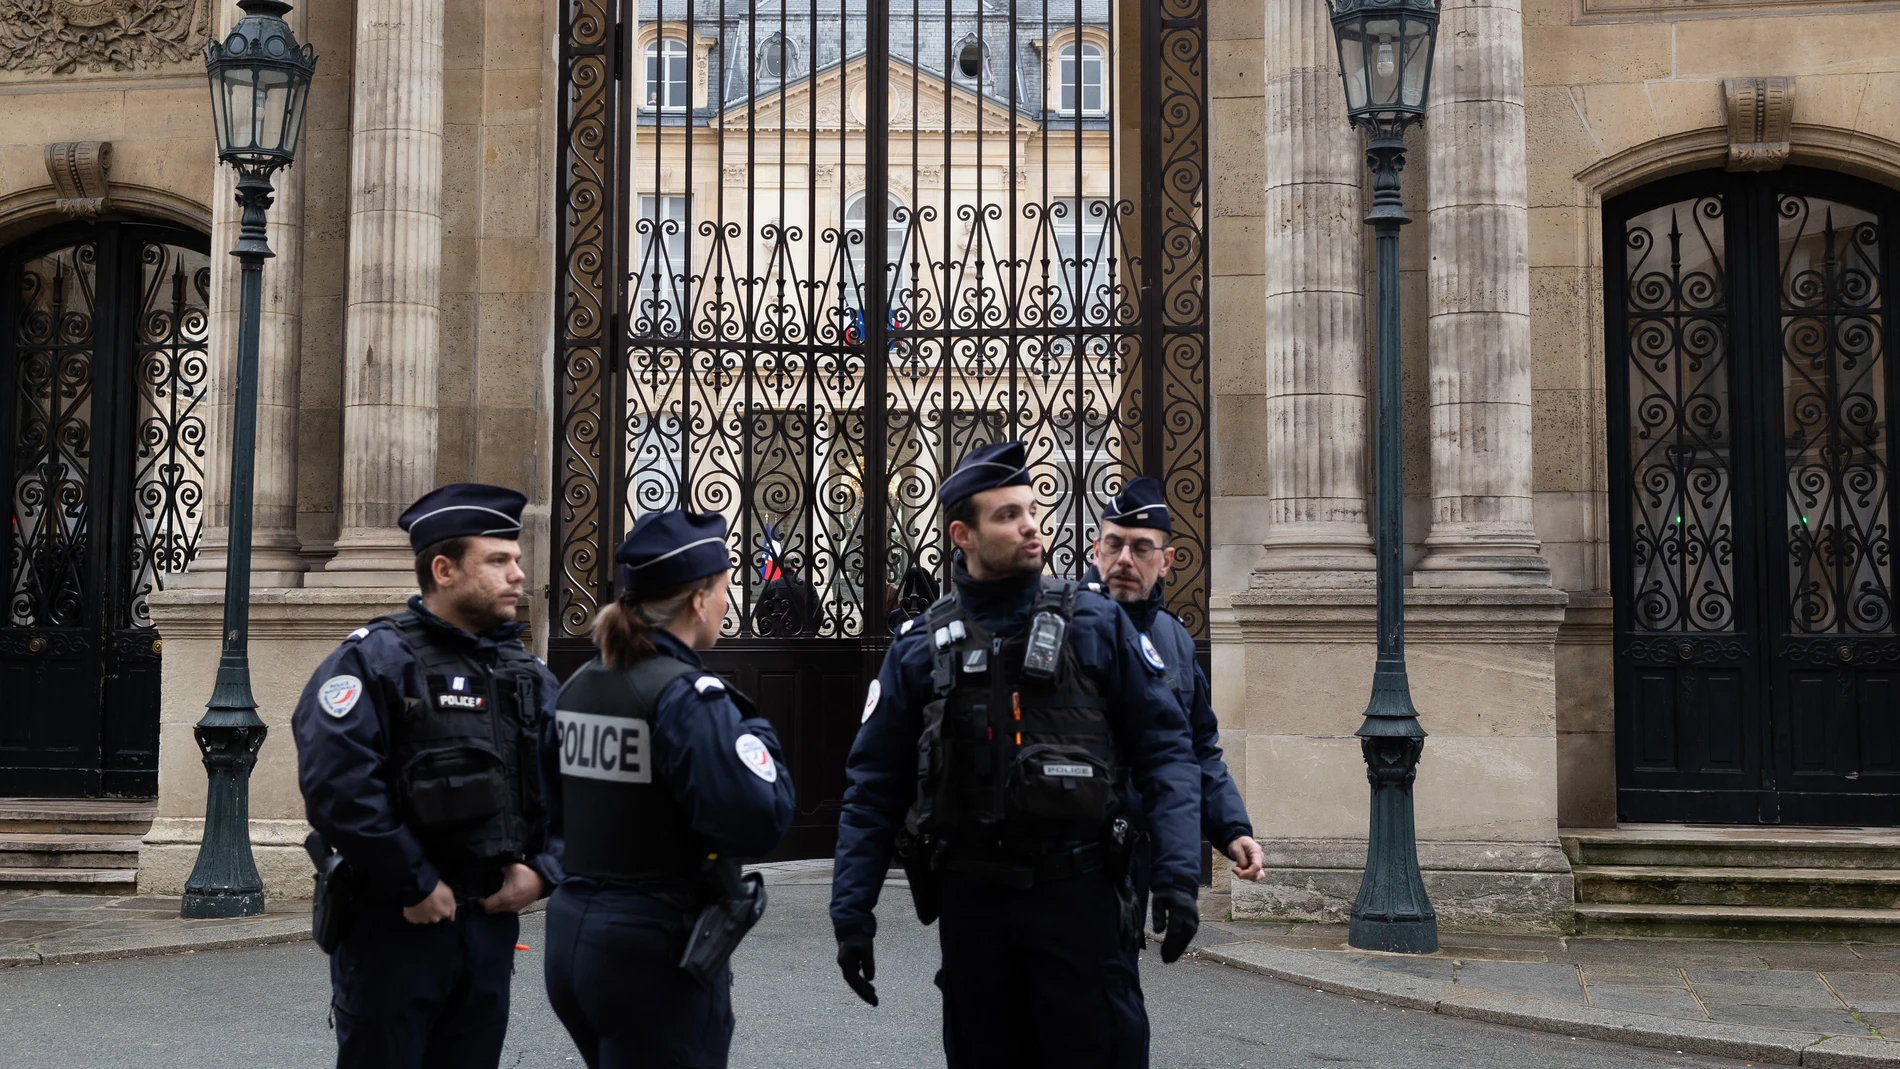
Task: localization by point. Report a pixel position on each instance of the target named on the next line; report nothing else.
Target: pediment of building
(919, 100)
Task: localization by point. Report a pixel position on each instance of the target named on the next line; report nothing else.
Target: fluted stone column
(1481, 532)
(391, 345)
(1317, 532)
(274, 545)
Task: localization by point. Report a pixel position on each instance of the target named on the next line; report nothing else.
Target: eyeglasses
(1143, 550)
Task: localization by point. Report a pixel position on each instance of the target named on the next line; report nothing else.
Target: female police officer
(660, 767)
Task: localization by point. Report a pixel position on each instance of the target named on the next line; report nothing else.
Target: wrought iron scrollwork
(1834, 444)
(1687, 650)
(168, 480)
(1676, 337)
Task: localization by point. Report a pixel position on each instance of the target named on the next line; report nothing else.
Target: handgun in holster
(737, 904)
(919, 854)
(1126, 845)
(333, 905)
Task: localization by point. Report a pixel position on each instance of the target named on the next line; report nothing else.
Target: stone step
(1739, 922)
(93, 816)
(1753, 846)
(84, 881)
(60, 850)
(1837, 888)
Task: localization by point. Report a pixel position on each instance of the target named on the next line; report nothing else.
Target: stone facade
(407, 341)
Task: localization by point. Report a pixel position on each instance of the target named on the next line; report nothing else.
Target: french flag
(769, 541)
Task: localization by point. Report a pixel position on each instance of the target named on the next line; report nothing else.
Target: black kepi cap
(463, 510)
(666, 550)
(985, 468)
(1139, 505)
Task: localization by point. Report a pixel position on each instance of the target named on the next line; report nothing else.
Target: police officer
(1130, 559)
(1025, 702)
(417, 746)
(664, 773)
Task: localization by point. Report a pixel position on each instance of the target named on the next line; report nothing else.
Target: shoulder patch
(339, 694)
(361, 632)
(908, 624)
(1152, 655)
(870, 701)
(1094, 588)
(707, 684)
(756, 758)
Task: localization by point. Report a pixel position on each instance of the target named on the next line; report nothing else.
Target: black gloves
(860, 967)
(1177, 918)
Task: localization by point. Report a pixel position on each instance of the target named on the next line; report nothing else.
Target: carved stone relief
(78, 170)
(1760, 114)
(63, 36)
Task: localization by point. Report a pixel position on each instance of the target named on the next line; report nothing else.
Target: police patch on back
(613, 748)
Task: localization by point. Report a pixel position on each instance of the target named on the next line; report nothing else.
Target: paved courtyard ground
(264, 1008)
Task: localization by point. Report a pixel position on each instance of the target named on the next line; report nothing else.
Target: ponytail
(623, 630)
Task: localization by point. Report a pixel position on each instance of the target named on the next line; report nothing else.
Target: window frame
(654, 58)
(1074, 59)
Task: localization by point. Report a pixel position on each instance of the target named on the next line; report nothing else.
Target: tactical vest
(1000, 748)
(621, 822)
(465, 755)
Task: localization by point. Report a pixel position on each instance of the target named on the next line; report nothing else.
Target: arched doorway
(1750, 324)
(103, 373)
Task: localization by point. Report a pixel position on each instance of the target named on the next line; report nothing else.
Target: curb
(1775, 1046)
(222, 937)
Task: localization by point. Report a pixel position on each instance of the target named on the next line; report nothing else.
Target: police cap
(1139, 505)
(986, 468)
(666, 550)
(463, 510)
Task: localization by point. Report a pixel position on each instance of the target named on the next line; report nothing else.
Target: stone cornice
(1433, 615)
(327, 613)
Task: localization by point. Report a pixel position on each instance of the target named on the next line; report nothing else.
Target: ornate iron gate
(1752, 387)
(814, 250)
(102, 371)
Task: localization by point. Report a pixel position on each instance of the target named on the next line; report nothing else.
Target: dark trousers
(1038, 977)
(614, 980)
(423, 996)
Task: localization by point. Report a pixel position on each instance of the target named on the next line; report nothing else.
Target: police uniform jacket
(1150, 732)
(1223, 815)
(344, 765)
(702, 749)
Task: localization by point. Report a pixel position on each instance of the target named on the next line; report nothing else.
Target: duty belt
(1024, 871)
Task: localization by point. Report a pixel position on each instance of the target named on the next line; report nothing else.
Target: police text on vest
(604, 747)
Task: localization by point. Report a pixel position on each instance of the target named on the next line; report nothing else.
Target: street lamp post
(259, 78)
(1385, 60)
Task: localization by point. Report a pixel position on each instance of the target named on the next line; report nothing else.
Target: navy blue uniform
(614, 946)
(1032, 976)
(404, 994)
(1223, 815)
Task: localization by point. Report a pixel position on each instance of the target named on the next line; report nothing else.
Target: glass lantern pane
(239, 118)
(1417, 60)
(1383, 56)
(218, 116)
(273, 99)
(1352, 64)
(293, 114)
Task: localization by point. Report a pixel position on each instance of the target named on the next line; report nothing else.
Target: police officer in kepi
(1129, 561)
(417, 753)
(988, 762)
(665, 776)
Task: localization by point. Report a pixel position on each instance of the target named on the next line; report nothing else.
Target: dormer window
(666, 74)
(1079, 78)
(777, 60)
(972, 61)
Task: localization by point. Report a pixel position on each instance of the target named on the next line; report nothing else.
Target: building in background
(1648, 339)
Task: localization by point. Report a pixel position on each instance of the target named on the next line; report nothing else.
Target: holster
(919, 854)
(737, 904)
(333, 901)
(1127, 844)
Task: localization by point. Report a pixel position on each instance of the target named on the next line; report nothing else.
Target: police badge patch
(870, 701)
(757, 759)
(1152, 655)
(338, 695)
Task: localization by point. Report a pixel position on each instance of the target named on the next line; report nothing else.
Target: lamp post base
(1415, 936)
(224, 882)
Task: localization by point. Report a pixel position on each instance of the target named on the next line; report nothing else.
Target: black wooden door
(811, 253)
(102, 368)
(1751, 392)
